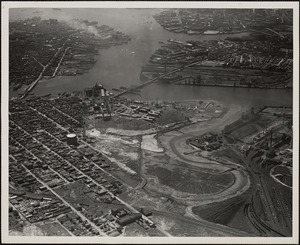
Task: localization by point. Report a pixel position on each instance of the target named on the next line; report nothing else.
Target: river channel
(121, 65)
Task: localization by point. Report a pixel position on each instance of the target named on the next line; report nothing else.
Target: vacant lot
(79, 194)
(191, 181)
(121, 122)
(129, 179)
(53, 229)
(171, 116)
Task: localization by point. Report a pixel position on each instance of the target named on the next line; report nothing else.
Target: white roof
(71, 135)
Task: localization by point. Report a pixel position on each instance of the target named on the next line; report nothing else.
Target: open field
(84, 197)
(171, 116)
(131, 180)
(53, 229)
(191, 181)
(16, 224)
(122, 151)
(183, 225)
(165, 179)
(28, 230)
(137, 231)
(119, 122)
(228, 154)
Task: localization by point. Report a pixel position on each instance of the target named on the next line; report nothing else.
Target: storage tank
(102, 92)
(71, 139)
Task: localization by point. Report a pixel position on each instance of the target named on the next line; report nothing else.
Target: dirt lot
(180, 226)
(149, 143)
(123, 151)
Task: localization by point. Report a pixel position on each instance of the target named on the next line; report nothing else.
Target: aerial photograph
(150, 122)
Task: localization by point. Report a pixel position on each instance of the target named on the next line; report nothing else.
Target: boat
(190, 32)
(210, 32)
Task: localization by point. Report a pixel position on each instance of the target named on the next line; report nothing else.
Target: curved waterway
(121, 65)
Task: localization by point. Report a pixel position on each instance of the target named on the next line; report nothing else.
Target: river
(121, 65)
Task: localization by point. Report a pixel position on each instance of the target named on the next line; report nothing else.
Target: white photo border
(5, 6)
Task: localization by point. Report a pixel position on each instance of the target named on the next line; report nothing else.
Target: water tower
(72, 139)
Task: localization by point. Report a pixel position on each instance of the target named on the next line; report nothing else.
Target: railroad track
(257, 223)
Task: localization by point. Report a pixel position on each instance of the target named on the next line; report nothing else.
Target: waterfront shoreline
(229, 86)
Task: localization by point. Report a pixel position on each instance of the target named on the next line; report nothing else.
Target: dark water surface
(121, 65)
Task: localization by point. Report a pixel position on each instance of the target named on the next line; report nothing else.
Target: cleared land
(191, 181)
(119, 122)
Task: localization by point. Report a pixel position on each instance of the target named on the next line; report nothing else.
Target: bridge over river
(155, 79)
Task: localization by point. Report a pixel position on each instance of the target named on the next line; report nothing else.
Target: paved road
(57, 195)
(44, 69)
(117, 198)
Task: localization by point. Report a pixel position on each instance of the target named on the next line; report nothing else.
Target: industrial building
(126, 220)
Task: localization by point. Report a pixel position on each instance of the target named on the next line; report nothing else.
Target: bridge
(33, 84)
(155, 79)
